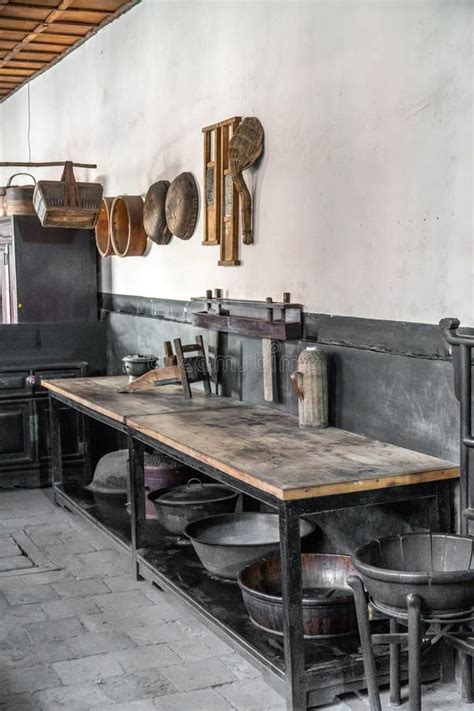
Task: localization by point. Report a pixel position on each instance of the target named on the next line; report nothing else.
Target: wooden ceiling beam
(53, 35)
(46, 25)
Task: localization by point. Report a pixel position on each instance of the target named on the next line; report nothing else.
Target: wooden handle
(295, 377)
(241, 185)
(45, 165)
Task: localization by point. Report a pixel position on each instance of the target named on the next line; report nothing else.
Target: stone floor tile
(122, 583)
(30, 655)
(240, 668)
(61, 609)
(199, 700)
(129, 618)
(24, 614)
(171, 631)
(151, 657)
(12, 638)
(142, 705)
(97, 623)
(198, 675)
(251, 695)
(26, 594)
(80, 588)
(44, 577)
(60, 552)
(194, 649)
(95, 668)
(122, 602)
(89, 643)
(61, 629)
(16, 681)
(77, 697)
(20, 702)
(137, 686)
(99, 564)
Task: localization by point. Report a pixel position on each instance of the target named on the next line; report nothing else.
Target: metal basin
(228, 543)
(438, 567)
(178, 506)
(328, 604)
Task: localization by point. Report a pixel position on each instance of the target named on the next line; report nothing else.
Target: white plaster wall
(363, 201)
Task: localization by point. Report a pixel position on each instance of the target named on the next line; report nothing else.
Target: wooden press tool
(287, 327)
(179, 368)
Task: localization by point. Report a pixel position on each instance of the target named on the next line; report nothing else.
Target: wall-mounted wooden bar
(230, 201)
(248, 326)
(212, 185)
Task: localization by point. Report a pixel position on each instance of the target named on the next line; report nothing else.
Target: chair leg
(395, 697)
(365, 640)
(466, 678)
(414, 651)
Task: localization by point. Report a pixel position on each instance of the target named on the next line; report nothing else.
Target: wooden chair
(186, 366)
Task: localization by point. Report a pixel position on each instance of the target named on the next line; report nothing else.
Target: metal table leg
(290, 551)
(360, 600)
(56, 447)
(137, 497)
(414, 652)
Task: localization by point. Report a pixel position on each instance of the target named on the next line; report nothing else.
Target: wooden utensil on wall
(230, 199)
(212, 184)
(246, 146)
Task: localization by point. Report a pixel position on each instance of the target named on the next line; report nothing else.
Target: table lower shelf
(333, 664)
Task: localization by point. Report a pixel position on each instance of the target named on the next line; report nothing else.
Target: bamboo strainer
(245, 147)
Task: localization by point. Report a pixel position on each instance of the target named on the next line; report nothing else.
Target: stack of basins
(244, 546)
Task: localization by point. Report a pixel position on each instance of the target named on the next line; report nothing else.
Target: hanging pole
(46, 165)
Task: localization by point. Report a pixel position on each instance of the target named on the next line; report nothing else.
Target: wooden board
(101, 395)
(268, 450)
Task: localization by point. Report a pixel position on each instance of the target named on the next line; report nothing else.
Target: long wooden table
(264, 454)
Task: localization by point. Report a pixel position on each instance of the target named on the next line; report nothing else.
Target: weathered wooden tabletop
(257, 445)
(268, 450)
(102, 395)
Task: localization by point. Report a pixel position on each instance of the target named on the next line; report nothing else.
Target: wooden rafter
(34, 35)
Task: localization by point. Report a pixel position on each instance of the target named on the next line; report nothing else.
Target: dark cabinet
(18, 435)
(25, 431)
(46, 274)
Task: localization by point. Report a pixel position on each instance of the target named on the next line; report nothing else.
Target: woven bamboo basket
(65, 203)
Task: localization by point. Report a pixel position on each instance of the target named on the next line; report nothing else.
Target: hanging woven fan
(245, 147)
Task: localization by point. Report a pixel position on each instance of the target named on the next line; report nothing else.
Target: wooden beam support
(46, 25)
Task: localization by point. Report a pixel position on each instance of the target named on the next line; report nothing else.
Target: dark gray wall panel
(405, 400)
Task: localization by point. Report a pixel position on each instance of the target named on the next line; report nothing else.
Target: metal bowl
(227, 543)
(438, 567)
(136, 365)
(328, 604)
(178, 506)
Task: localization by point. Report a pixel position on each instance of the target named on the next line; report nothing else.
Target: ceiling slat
(37, 33)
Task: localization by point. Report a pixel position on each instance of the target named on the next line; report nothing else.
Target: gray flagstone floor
(80, 633)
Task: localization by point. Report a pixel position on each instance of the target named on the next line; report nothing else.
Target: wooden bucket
(102, 229)
(18, 199)
(127, 233)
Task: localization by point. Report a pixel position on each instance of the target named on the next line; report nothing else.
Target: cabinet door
(71, 431)
(18, 433)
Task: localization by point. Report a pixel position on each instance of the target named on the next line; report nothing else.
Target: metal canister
(311, 385)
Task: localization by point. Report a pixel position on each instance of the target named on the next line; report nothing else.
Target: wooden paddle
(245, 147)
